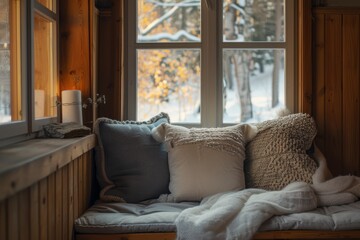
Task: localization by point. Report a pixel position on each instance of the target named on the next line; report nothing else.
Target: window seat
(129, 164)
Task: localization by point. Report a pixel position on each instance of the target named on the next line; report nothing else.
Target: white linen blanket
(239, 214)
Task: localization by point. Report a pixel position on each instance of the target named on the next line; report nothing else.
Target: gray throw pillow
(131, 165)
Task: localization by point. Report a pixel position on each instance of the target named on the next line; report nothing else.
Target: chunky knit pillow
(277, 155)
(204, 161)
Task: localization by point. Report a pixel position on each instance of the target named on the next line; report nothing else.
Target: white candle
(71, 106)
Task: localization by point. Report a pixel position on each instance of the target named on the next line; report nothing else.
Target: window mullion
(131, 63)
(265, 45)
(166, 45)
(209, 71)
(290, 83)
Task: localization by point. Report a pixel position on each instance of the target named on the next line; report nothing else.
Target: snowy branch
(188, 4)
(168, 14)
(237, 7)
(168, 36)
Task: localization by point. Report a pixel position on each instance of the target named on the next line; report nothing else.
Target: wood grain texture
(106, 63)
(3, 220)
(46, 210)
(306, 234)
(351, 92)
(75, 188)
(80, 186)
(75, 62)
(319, 83)
(65, 201)
(51, 206)
(36, 159)
(34, 212)
(58, 204)
(24, 214)
(13, 218)
(70, 200)
(333, 103)
(304, 56)
(43, 209)
(294, 234)
(336, 87)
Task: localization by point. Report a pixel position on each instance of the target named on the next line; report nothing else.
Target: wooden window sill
(25, 163)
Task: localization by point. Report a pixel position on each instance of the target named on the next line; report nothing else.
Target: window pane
(253, 20)
(169, 81)
(44, 64)
(10, 75)
(168, 21)
(253, 84)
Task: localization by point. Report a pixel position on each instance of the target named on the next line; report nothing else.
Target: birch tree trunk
(240, 60)
(242, 76)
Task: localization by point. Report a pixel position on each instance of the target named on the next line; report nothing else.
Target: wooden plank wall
(336, 87)
(75, 50)
(111, 58)
(47, 209)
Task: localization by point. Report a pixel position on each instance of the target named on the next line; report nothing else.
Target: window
(28, 66)
(210, 63)
(45, 70)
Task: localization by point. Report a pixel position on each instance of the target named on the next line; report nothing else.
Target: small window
(12, 82)
(44, 68)
(28, 67)
(10, 66)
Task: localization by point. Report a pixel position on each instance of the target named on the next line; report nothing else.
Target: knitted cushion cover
(204, 161)
(277, 155)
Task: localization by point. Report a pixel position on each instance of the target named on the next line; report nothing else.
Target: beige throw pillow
(277, 155)
(204, 161)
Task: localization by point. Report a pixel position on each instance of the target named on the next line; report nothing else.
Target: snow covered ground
(261, 94)
(261, 97)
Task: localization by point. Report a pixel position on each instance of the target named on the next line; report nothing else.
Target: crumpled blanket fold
(239, 214)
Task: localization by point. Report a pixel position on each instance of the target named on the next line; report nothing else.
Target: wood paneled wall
(107, 63)
(111, 58)
(76, 50)
(336, 87)
(47, 209)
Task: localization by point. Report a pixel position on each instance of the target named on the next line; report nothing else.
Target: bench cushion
(159, 217)
(130, 218)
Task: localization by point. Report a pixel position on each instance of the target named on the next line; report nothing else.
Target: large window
(209, 62)
(28, 66)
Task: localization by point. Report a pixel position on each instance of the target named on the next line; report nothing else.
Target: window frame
(28, 127)
(53, 17)
(211, 61)
(16, 128)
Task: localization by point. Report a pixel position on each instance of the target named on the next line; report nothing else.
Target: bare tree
(241, 60)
